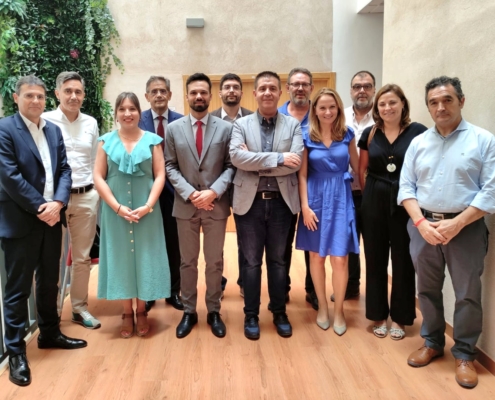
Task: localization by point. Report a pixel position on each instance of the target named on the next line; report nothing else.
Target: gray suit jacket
(188, 173)
(253, 163)
(218, 112)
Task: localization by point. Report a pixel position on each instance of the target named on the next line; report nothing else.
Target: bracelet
(418, 222)
(118, 209)
(151, 208)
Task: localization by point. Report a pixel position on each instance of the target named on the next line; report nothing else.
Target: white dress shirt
(42, 145)
(204, 120)
(226, 117)
(81, 143)
(164, 121)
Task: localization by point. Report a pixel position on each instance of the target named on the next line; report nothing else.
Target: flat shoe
(380, 331)
(397, 333)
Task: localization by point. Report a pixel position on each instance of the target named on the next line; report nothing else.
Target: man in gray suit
(198, 166)
(231, 95)
(266, 148)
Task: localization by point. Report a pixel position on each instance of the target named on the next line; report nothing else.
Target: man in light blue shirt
(447, 185)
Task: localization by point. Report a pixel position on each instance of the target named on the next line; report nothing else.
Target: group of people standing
(417, 194)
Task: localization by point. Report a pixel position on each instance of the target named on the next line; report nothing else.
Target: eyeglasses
(366, 87)
(163, 92)
(297, 85)
(31, 97)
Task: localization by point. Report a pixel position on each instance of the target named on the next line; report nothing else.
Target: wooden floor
(312, 364)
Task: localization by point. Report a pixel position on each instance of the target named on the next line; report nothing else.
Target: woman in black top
(383, 148)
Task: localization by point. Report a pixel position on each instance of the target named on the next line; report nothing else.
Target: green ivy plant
(46, 37)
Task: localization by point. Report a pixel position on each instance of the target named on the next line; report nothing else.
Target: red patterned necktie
(199, 138)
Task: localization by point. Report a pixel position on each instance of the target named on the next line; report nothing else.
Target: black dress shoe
(282, 323)
(148, 305)
(186, 324)
(60, 342)
(251, 327)
(287, 299)
(20, 374)
(217, 326)
(313, 300)
(349, 294)
(175, 301)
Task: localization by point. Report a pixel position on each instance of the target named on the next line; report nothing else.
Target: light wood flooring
(312, 364)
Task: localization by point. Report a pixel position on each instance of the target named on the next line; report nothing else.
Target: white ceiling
(370, 6)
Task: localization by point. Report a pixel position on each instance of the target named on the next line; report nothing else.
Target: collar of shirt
(269, 121)
(284, 109)
(31, 125)
(224, 114)
(155, 115)
(62, 117)
(463, 126)
(204, 120)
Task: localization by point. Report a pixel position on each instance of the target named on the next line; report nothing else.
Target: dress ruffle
(129, 163)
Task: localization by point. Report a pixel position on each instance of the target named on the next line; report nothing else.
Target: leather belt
(82, 189)
(267, 195)
(438, 216)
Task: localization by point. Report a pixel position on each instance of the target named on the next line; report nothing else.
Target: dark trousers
(37, 253)
(354, 260)
(383, 234)
(264, 228)
(171, 239)
(464, 256)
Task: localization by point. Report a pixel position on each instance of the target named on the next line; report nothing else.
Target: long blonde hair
(338, 127)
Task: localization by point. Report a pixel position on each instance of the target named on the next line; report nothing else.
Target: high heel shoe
(340, 330)
(323, 325)
(127, 328)
(142, 329)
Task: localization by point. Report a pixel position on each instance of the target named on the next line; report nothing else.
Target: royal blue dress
(330, 197)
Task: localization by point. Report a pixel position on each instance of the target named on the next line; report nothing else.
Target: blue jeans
(264, 227)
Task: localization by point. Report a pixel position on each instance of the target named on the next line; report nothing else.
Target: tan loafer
(465, 373)
(423, 356)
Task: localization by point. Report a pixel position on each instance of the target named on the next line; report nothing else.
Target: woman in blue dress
(129, 176)
(328, 226)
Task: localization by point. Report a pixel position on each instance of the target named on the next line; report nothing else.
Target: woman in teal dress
(129, 176)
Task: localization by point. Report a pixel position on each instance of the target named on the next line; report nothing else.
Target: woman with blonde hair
(328, 226)
(383, 148)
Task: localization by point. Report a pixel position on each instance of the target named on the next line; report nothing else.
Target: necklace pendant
(391, 167)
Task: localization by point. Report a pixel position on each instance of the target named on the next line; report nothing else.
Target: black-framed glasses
(357, 87)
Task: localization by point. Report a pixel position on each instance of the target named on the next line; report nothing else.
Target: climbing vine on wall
(46, 37)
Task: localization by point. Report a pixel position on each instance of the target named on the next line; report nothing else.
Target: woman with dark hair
(129, 176)
(328, 226)
(383, 148)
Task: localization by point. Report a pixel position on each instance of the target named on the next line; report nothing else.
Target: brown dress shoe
(423, 356)
(465, 373)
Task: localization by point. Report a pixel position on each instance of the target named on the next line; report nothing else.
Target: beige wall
(427, 38)
(241, 37)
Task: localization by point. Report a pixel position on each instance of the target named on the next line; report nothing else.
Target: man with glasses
(156, 120)
(35, 183)
(299, 86)
(231, 95)
(358, 116)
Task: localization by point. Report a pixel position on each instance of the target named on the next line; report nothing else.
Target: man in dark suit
(231, 95)
(198, 165)
(35, 183)
(156, 120)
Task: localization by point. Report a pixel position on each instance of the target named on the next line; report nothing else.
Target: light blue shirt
(448, 174)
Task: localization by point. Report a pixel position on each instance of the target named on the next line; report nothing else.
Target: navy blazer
(146, 123)
(22, 175)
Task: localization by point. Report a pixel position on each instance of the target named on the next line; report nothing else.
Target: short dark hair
(29, 80)
(405, 119)
(154, 78)
(362, 74)
(120, 99)
(298, 70)
(267, 74)
(229, 77)
(198, 76)
(444, 81)
(67, 76)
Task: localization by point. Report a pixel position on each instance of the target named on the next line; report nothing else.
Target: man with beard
(156, 120)
(231, 94)
(198, 166)
(299, 86)
(80, 132)
(358, 116)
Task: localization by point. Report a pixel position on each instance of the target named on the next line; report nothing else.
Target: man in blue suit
(156, 120)
(35, 183)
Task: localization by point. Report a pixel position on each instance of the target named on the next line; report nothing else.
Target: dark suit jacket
(218, 112)
(22, 175)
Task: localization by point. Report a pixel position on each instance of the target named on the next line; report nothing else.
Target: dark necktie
(160, 130)
(199, 138)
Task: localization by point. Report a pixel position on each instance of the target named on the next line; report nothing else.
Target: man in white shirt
(80, 133)
(359, 116)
